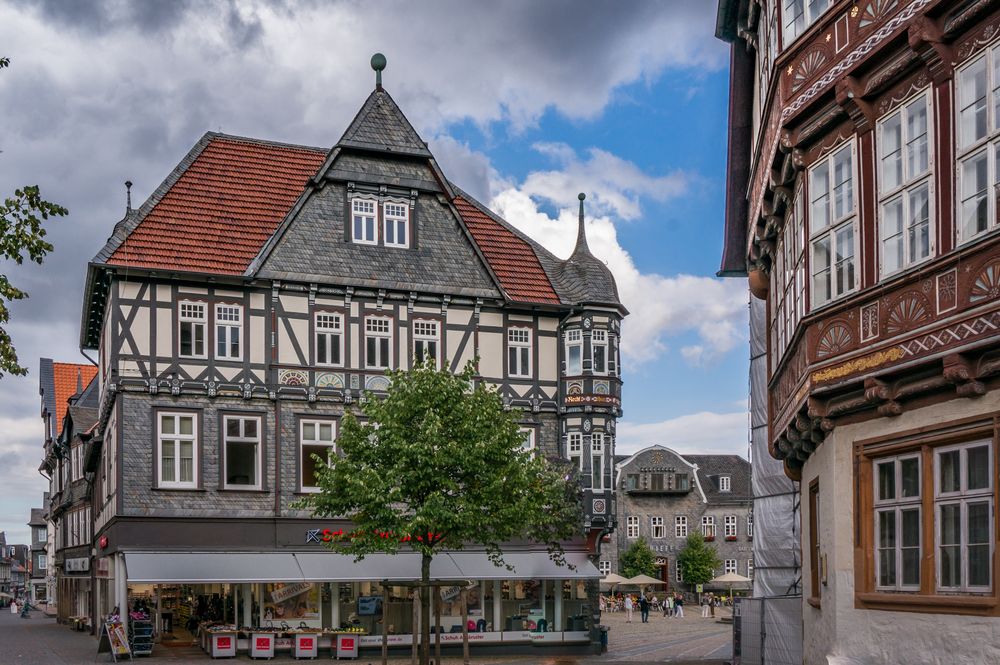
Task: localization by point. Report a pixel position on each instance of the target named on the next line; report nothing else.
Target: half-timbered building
(862, 205)
(257, 295)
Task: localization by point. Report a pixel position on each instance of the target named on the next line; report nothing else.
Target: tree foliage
(21, 237)
(438, 464)
(698, 561)
(639, 559)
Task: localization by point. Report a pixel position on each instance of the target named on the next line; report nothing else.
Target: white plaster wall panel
(355, 341)
(140, 332)
(129, 368)
(355, 309)
(547, 359)
(258, 375)
(164, 332)
(548, 323)
(197, 290)
(549, 393)
(257, 300)
(405, 359)
(521, 318)
(454, 342)
(257, 342)
(426, 309)
(300, 330)
(875, 636)
(192, 370)
(490, 319)
(164, 293)
(403, 315)
(491, 355)
(232, 295)
(129, 290)
(460, 317)
(227, 373)
(298, 304)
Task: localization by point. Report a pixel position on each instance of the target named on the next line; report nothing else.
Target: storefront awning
(245, 567)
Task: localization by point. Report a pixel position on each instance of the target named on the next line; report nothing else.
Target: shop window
(632, 526)
(177, 450)
(657, 529)
(192, 322)
(574, 352)
(519, 352)
(425, 342)
(905, 187)
(681, 526)
(378, 343)
(396, 224)
(832, 222)
(316, 438)
(363, 221)
(242, 452)
(228, 332)
(329, 339)
(599, 351)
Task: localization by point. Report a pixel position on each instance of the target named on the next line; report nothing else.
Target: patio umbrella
(730, 579)
(613, 579)
(4, 594)
(640, 580)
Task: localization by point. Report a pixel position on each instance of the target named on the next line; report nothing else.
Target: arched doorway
(664, 565)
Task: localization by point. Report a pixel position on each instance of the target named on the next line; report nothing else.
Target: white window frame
(597, 460)
(730, 529)
(750, 567)
(242, 439)
(677, 572)
(632, 527)
(357, 203)
(519, 339)
(798, 15)
(657, 529)
(788, 280)
(837, 226)
(604, 567)
(725, 484)
(986, 146)
(574, 448)
(330, 327)
(392, 219)
(574, 345)
(731, 566)
(186, 316)
(895, 507)
(598, 340)
(224, 328)
(681, 526)
(178, 438)
(427, 331)
(708, 526)
(42, 561)
(750, 525)
(963, 497)
(901, 193)
(378, 328)
(528, 444)
(316, 441)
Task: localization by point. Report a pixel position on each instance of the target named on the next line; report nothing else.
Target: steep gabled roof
(710, 467)
(217, 208)
(57, 383)
(381, 126)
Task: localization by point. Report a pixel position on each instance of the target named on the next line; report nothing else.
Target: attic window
(363, 215)
(724, 484)
(396, 225)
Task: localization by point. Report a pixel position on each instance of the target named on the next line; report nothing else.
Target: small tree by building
(439, 464)
(698, 561)
(639, 559)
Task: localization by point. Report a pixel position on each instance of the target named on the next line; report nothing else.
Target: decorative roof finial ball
(378, 64)
(581, 196)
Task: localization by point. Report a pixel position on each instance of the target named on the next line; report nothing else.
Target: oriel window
(599, 351)
(574, 352)
(832, 222)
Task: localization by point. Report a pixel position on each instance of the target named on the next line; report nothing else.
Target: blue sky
(523, 103)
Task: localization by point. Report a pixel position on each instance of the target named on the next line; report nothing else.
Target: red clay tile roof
(222, 209)
(68, 378)
(512, 259)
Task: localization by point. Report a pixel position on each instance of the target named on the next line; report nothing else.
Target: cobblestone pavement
(40, 641)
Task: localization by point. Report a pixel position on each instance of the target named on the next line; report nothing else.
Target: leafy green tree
(698, 561)
(439, 464)
(21, 236)
(639, 559)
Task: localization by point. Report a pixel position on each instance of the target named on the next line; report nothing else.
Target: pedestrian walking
(704, 605)
(679, 606)
(629, 607)
(668, 606)
(644, 608)
(714, 600)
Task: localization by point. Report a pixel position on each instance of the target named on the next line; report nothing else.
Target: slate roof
(213, 213)
(583, 278)
(381, 126)
(710, 467)
(60, 381)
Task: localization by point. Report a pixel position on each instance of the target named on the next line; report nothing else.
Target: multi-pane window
(905, 224)
(228, 331)
(708, 526)
(681, 526)
(657, 528)
(831, 225)
(316, 438)
(731, 566)
(425, 342)
(725, 483)
(528, 440)
(329, 339)
(42, 562)
(632, 481)
(193, 320)
(363, 221)
(597, 459)
(632, 526)
(242, 452)
(797, 15)
(396, 221)
(378, 343)
(750, 525)
(599, 351)
(574, 352)
(730, 526)
(963, 504)
(788, 277)
(897, 522)
(681, 482)
(678, 576)
(519, 351)
(750, 567)
(978, 150)
(574, 446)
(604, 567)
(177, 451)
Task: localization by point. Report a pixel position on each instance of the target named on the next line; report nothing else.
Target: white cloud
(703, 433)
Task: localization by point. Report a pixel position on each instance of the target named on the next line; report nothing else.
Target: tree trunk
(425, 609)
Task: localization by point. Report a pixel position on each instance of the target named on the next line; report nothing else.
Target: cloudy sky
(524, 103)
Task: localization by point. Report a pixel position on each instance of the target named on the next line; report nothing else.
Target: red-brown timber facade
(864, 207)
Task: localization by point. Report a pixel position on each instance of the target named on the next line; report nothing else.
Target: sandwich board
(114, 639)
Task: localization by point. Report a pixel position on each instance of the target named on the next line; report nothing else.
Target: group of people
(671, 605)
(709, 601)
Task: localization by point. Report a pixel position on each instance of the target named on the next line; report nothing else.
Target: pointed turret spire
(581, 234)
(378, 64)
(128, 196)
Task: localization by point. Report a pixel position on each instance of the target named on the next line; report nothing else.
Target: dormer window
(396, 225)
(724, 484)
(363, 215)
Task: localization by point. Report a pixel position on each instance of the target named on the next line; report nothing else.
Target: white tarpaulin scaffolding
(777, 572)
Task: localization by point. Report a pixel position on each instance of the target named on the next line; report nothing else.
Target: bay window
(363, 221)
(192, 321)
(788, 277)
(242, 452)
(832, 221)
(574, 352)
(228, 331)
(316, 437)
(978, 150)
(378, 343)
(599, 351)
(905, 187)
(597, 460)
(176, 450)
(797, 15)
(574, 446)
(329, 339)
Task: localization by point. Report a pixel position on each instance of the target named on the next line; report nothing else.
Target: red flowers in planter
(709, 539)
(730, 538)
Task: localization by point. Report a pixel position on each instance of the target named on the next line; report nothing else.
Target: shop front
(306, 602)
